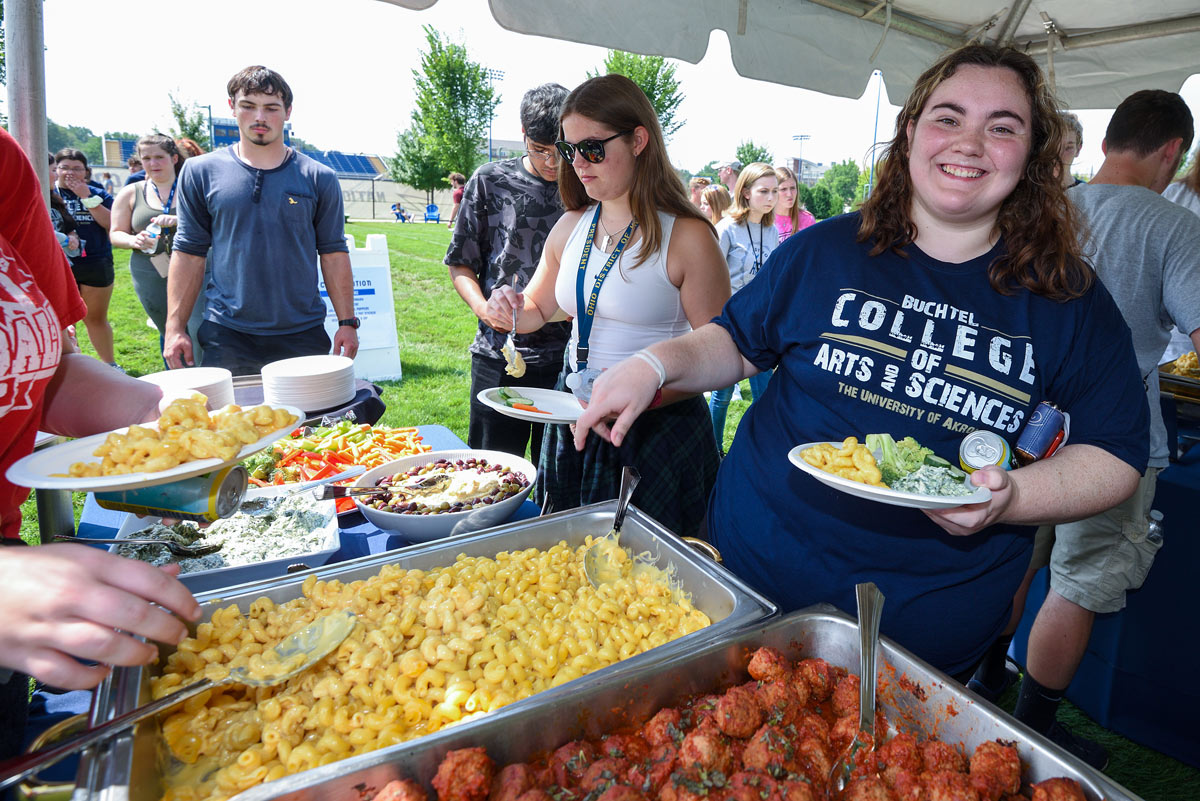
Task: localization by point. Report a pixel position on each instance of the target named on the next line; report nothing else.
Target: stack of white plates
(214, 383)
(311, 383)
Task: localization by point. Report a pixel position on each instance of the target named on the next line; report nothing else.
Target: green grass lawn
(435, 328)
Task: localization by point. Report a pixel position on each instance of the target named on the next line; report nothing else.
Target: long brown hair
(717, 198)
(1039, 228)
(617, 102)
(785, 174)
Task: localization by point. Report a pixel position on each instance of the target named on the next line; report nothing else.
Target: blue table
(1138, 675)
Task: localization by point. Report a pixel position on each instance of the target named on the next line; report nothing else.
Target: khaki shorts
(1093, 562)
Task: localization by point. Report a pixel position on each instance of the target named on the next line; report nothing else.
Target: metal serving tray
(913, 695)
(129, 768)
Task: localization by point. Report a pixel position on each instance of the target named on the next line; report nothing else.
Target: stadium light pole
(212, 139)
(801, 138)
(492, 75)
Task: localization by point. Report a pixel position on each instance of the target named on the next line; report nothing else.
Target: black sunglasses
(592, 150)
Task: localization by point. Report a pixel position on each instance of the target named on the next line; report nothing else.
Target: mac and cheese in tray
(432, 648)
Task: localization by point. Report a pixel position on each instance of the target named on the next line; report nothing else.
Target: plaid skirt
(672, 447)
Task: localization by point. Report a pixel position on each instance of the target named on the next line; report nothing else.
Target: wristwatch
(91, 201)
(353, 322)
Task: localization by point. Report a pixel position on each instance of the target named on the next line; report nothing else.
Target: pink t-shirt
(784, 224)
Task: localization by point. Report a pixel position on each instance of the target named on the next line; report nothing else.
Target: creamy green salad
(908, 466)
(258, 532)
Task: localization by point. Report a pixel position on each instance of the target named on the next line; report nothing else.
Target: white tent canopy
(1103, 50)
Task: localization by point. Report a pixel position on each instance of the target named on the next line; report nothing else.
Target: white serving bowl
(423, 528)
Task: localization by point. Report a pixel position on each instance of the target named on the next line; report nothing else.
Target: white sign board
(378, 348)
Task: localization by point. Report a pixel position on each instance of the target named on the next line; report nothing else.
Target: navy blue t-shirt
(96, 244)
(910, 347)
(266, 229)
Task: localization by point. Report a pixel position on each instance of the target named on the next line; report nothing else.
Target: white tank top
(636, 307)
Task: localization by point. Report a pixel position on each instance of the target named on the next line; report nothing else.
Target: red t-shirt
(38, 298)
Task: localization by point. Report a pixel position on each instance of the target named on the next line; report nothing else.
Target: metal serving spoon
(596, 565)
(424, 484)
(178, 549)
(294, 655)
(870, 609)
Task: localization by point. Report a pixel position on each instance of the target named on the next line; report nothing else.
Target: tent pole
(24, 42)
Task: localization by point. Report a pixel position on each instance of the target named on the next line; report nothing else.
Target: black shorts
(94, 273)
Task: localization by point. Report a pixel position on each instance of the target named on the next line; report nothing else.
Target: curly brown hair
(1040, 231)
(617, 102)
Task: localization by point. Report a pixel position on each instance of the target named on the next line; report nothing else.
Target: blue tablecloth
(1138, 675)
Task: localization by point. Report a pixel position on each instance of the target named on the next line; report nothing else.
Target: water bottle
(1155, 532)
(152, 231)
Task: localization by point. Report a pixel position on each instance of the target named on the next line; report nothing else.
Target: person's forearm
(184, 281)
(1077, 482)
(101, 215)
(705, 359)
(339, 283)
(87, 397)
(466, 284)
(120, 239)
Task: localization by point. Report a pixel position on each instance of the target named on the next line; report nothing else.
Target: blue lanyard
(170, 195)
(586, 314)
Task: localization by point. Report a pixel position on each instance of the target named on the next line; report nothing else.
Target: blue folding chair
(431, 213)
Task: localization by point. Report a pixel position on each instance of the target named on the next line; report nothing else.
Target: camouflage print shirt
(505, 217)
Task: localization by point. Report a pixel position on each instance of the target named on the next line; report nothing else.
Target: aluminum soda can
(1045, 432)
(203, 499)
(982, 448)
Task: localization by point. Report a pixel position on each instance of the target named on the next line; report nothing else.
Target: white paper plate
(38, 468)
(562, 407)
(883, 494)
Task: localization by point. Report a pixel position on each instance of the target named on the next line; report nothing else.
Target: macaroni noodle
(431, 649)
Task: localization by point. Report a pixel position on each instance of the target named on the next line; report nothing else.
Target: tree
(804, 195)
(413, 164)
(454, 107)
(655, 77)
(823, 203)
(748, 152)
(842, 181)
(74, 136)
(709, 170)
(191, 122)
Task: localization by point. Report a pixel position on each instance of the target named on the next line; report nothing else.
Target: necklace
(608, 237)
(756, 252)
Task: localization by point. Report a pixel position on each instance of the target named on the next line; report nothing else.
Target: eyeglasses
(592, 150)
(542, 155)
(65, 168)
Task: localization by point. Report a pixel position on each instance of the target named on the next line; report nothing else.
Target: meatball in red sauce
(402, 790)
(768, 664)
(464, 775)
(739, 713)
(665, 727)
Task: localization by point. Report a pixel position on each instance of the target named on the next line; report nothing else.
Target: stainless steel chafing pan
(913, 695)
(131, 767)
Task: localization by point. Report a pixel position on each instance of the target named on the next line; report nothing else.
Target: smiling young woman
(955, 301)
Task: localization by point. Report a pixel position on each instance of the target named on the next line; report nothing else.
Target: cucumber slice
(933, 460)
(511, 399)
(504, 393)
